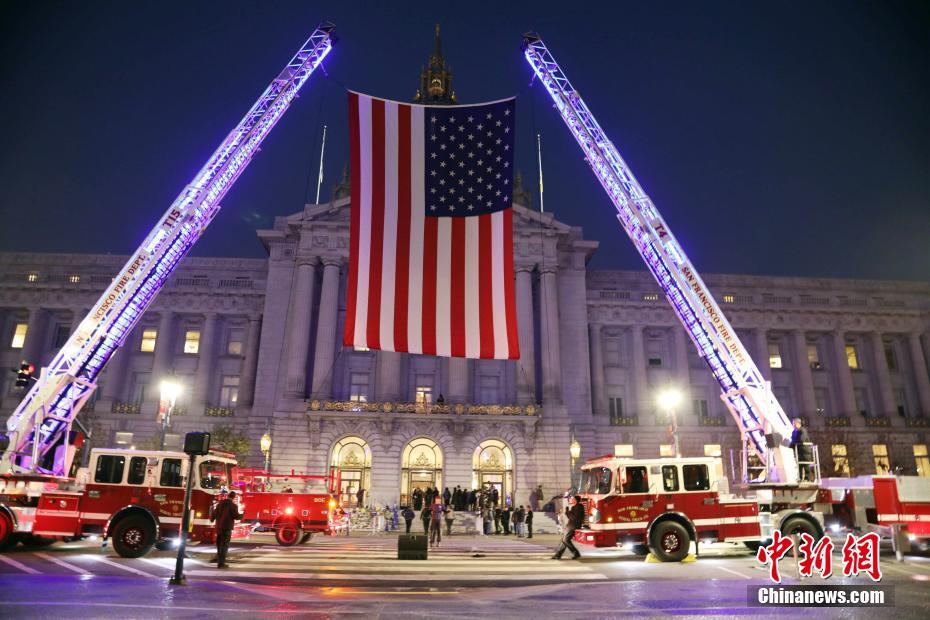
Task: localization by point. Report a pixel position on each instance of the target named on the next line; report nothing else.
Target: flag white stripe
(499, 311)
(472, 289)
(417, 213)
(444, 287)
(364, 229)
(389, 254)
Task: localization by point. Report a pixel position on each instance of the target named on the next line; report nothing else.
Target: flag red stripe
(401, 286)
(485, 286)
(373, 334)
(355, 161)
(457, 288)
(513, 341)
(430, 225)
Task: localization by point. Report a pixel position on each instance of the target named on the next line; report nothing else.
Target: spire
(436, 78)
(438, 51)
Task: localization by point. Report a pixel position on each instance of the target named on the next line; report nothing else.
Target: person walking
(435, 522)
(225, 515)
(520, 518)
(424, 517)
(450, 515)
(408, 515)
(574, 521)
(529, 522)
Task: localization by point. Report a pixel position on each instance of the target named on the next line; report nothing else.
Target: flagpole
(542, 207)
(319, 180)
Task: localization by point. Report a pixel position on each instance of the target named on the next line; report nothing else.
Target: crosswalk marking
(129, 569)
(68, 565)
(19, 565)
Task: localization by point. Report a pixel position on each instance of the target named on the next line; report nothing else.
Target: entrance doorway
(421, 468)
(351, 456)
(492, 467)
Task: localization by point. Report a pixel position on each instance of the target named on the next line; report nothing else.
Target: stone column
(919, 366)
(762, 353)
(682, 369)
(35, 338)
(847, 394)
(387, 380)
(598, 397)
(886, 402)
(549, 336)
(164, 354)
(298, 327)
(326, 330)
(250, 364)
(206, 356)
(805, 380)
(458, 381)
(114, 373)
(526, 365)
(642, 403)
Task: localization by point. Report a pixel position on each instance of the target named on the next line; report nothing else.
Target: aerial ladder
(762, 422)
(37, 432)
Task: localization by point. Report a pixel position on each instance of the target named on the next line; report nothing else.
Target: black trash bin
(412, 547)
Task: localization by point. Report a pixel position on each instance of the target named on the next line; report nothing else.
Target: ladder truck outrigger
(38, 498)
(782, 500)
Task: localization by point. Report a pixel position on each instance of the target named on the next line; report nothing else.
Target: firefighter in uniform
(225, 515)
(575, 521)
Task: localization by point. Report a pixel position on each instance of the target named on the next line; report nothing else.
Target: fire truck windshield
(214, 475)
(596, 481)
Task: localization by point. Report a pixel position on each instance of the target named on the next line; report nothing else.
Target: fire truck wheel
(288, 534)
(305, 538)
(37, 541)
(7, 539)
(670, 541)
(799, 525)
(133, 536)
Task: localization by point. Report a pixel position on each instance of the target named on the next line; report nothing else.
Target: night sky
(783, 138)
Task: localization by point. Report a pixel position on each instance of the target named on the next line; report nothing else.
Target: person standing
(575, 519)
(435, 522)
(801, 442)
(424, 517)
(495, 496)
(225, 515)
(487, 517)
(447, 497)
(529, 522)
(505, 520)
(520, 518)
(450, 515)
(360, 497)
(408, 517)
(497, 521)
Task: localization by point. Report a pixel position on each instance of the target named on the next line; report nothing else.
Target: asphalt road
(466, 577)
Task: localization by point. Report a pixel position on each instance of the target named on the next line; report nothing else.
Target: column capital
(255, 317)
(332, 261)
(547, 269)
(524, 267)
(305, 259)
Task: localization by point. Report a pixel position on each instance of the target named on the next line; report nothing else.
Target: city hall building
(257, 344)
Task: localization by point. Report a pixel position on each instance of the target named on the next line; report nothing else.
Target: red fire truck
(133, 497)
(664, 504)
(272, 503)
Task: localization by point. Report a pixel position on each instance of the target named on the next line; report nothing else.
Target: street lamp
(574, 450)
(669, 400)
(170, 390)
(265, 444)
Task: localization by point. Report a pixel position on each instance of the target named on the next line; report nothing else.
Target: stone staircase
(464, 523)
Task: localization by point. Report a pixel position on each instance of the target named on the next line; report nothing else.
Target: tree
(226, 437)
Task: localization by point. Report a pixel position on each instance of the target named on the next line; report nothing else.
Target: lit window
(74, 279)
(852, 357)
(650, 297)
(666, 449)
(191, 341)
(19, 336)
(813, 357)
(728, 299)
(712, 449)
(149, 336)
(32, 277)
(921, 460)
(623, 449)
(774, 356)
(880, 455)
(234, 339)
(362, 349)
(424, 395)
(358, 387)
(840, 459)
(229, 391)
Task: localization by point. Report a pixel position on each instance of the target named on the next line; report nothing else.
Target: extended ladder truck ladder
(749, 398)
(42, 421)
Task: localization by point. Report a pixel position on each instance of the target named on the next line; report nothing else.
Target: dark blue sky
(787, 138)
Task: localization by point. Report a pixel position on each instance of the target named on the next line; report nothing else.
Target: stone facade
(257, 344)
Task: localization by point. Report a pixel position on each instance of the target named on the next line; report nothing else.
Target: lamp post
(265, 444)
(170, 390)
(574, 450)
(669, 399)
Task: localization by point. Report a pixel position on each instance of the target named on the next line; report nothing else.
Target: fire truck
(293, 516)
(649, 502)
(133, 497)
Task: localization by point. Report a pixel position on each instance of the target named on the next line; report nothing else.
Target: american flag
(431, 250)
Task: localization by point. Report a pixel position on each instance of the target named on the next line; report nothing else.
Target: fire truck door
(697, 500)
(637, 503)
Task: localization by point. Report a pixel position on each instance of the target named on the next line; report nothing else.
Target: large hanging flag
(431, 252)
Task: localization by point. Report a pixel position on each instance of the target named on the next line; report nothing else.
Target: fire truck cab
(133, 497)
(663, 504)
